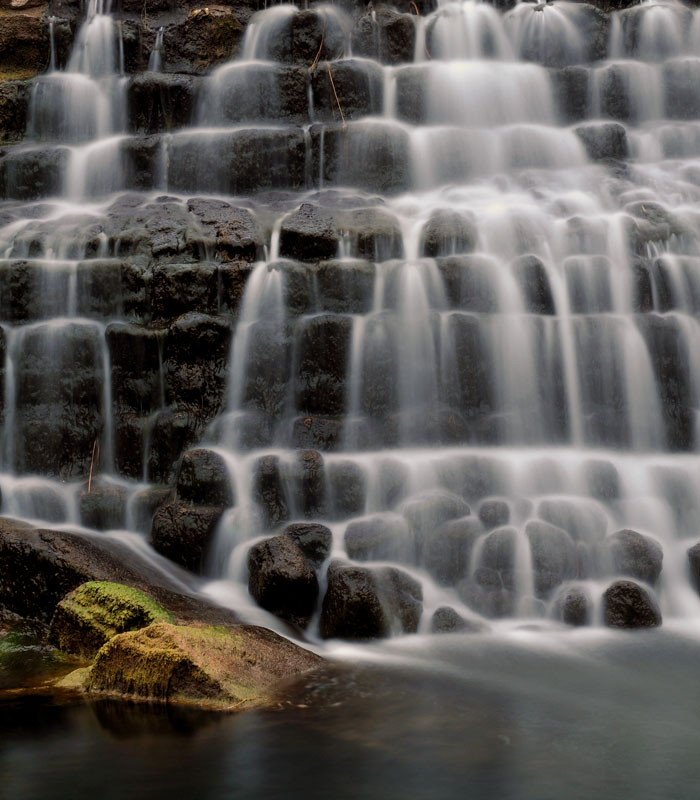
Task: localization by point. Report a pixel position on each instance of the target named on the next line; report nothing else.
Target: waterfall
(436, 297)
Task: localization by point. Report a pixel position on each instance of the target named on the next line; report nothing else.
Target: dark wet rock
(130, 439)
(694, 566)
(323, 356)
(112, 288)
(604, 140)
(498, 553)
(39, 567)
(134, 355)
(32, 174)
(486, 593)
(309, 234)
(574, 606)
(373, 156)
(531, 274)
(385, 35)
(475, 477)
(554, 556)
(176, 289)
(228, 232)
(583, 521)
(103, 506)
(380, 538)
(347, 487)
(281, 579)
(269, 491)
(469, 283)
(144, 505)
(316, 433)
(635, 555)
(314, 540)
(358, 85)
(372, 234)
(628, 605)
(233, 277)
(428, 510)
(59, 399)
(447, 233)
(190, 379)
(447, 550)
(24, 41)
(447, 620)
(571, 86)
(306, 38)
(159, 102)
(305, 477)
(363, 603)
(14, 101)
(183, 533)
(203, 479)
(494, 513)
(173, 431)
(679, 77)
(603, 480)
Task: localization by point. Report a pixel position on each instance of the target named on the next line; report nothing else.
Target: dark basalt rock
(469, 282)
(385, 35)
(309, 234)
(190, 380)
(628, 605)
(14, 101)
(203, 479)
(447, 233)
(135, 364)
(494, 513)
(554, 556)
(635, 555)
(604, 140)
(574, 606)
(380, 538)
(281, 579)
(183, 532)
(447, 620)
(314, 540)
(228, 232)
(372, 234)
(112, 288)
(531, 274)
(428, 510)
(362, 603)
(571, 87)
(316, 433)
(32, 174)
(306, 37)
(323, 354)
(160, 102)
(173, 431)
(694, 566)
(347, 487)
(358, 85)
(269, 491)
(103, 506)
(447, 550)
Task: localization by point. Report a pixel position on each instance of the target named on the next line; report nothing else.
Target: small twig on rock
(342, 116)
(92, 461)
(320, 47)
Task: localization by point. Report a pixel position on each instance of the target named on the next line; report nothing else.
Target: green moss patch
(98, 610)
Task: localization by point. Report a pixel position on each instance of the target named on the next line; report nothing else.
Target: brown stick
(342, 116)
(92, 461)
(320, 47)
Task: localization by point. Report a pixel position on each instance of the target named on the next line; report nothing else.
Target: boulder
(627, 605)
(446, 620)
(694, 566)
(211, 666)
(183, 532)
(554, 556)
(494, 513)
(159, 102)
(380, 538)
(309, 234)
(14, 101)
(229, 232)
(604, 140)
(282, 580)
(96, 611)
(358, 85)
(531, 275)
(447, 550)
(269, 491)
(103, 506)
(447, 233)
(314, 540)
(203, 479)
(347, 488)
(635, 555)
(362, 604)
(385, 35)
(323, 355)
(574, 606)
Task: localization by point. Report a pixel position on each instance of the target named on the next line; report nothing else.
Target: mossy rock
(98, 610)
(211, 666)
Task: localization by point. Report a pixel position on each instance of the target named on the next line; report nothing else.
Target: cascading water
(463, 295)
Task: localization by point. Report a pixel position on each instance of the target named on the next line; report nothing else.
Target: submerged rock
(447, 620)
(635, 555)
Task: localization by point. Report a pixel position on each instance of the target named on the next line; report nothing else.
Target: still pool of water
(511, 717)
